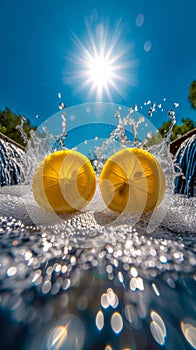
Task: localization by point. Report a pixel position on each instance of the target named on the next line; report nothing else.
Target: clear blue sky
(39, 56)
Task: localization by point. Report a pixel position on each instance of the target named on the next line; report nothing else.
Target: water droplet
(155, 289)
(46, 287)
(104, 301)
(99, 320)
(176, 104)
(62, 106)
(134, 272)
(59, 95)
(37, 116)
(108, 347)
(11, 271)
(149, 135)
(116, 322)
(171, 114)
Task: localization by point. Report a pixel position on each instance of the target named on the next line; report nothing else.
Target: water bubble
(147, 46)
(176, 104)
(59, 95)
(72, 117)
(139, 20)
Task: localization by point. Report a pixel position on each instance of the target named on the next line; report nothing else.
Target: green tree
(192, 94)
(8, 123)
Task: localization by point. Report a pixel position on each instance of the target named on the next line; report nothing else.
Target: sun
(105, 64)
(100, 71)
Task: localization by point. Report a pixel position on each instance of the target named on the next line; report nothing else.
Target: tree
(9, 122)
(192, 94)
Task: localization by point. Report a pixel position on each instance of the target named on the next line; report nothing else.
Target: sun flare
(105, 64)
(100, 71)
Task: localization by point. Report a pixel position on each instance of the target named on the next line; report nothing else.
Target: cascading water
(11, 163)
(93, 280)
(186, 159)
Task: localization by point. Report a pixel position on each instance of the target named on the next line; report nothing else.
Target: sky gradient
(42, 53)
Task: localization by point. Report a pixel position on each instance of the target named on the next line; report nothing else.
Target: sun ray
(104, 64)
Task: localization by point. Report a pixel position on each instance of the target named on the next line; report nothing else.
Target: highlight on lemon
(132, 181)
(64, 182)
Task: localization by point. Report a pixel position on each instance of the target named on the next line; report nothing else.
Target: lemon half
(132, 181)
(64, 181)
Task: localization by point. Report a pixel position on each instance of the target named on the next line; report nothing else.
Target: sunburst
(105, 64)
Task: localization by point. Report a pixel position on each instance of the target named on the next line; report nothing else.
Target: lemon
(64, 182)
(132, 181)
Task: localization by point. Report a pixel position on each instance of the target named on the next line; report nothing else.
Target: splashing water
(132, 125)
(133, 268)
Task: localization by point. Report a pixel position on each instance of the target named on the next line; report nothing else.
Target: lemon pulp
(132, 180)
(64, 182)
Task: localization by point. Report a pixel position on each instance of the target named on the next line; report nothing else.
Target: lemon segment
(132, 181)
(64, 182)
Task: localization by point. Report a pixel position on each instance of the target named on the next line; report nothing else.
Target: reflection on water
(132, 290)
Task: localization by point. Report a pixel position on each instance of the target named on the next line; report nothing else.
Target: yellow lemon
(64, 181)
(132, 181)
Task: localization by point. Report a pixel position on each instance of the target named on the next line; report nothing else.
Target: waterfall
(186, 159)
(11, 162)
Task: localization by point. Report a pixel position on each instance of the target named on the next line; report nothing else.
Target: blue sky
(43, 43)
